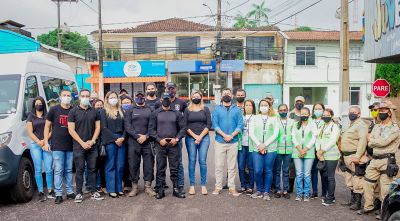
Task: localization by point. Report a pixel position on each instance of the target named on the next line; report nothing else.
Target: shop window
(145, 45)
(355, 95)
(305, 56)
(187, 44)
(260, 48)
(312, 95)
(356, 59)
(53, 86)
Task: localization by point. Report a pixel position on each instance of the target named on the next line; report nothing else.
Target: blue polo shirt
(228, 120)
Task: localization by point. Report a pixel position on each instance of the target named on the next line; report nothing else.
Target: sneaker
(327, 202)
(306, 199)
(71, 196)
(286, 195)
(249, 192)
(257, 195)
(78, 198)
(51, 194)
(278, 195)
(98, 189)
(242, 190)
(314, 196)
(97, 196)
(267, 197)
(58, 200)
(217, 191)
(42, 197)
(299, 198)
(233, 192)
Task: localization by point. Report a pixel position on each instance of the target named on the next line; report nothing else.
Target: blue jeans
(114, 169)
(38, 156)
(192, 149)
(263, 165)
(245, 159)
(63, 171)
(303, 176)
(314, 177)
(181, 170)
(282, 165)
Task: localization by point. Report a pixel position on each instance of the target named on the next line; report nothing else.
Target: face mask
(264, 109)
(240, 99)
(374, 114)
(196, 100)
(172, 93)
(126, 106)
(383, 116)
(299, 106)
(166, 102)
(151, 93)
(304, 118)
(85, 101)
(326, 119)
(226, 98)
(318, 113)
(139, 100)
(65, 100)
(39, 107)
(353, 117)
(113, 101)
(283, 115)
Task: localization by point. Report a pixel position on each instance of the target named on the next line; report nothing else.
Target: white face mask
(65, 100)
(85, 101)
(264, 109)
(113, 101)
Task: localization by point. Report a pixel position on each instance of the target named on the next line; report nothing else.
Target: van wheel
(395, 216)
(23, 190)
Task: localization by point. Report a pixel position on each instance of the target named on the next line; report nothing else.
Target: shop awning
(127, 80)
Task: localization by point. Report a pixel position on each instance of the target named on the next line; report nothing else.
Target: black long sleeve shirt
(137, 121)
(110, 126)
(167, 124)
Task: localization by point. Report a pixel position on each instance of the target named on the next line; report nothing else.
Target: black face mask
(299, 106)
(139, 100)
(172, 94)
(353, 117)
(226, 98)
(166, 102)
(196, 100)
(151, 93)
(39, 107)
(240, 99)
(383, 116)
(303, 118)
(327, 119)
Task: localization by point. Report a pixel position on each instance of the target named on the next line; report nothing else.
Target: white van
(24, 76)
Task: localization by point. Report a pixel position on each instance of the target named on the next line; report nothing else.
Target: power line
(89, 6)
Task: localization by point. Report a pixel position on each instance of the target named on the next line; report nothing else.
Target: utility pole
(217, 85)
(344, 63)
(101, 80)
(59, 28)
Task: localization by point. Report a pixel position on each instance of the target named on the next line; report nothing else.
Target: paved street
(223, 207)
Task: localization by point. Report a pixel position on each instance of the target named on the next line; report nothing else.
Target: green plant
(390, 72)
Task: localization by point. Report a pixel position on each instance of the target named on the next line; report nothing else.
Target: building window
(260, 48)
(53, 86)
(356, 59)
(312, 95)
(145, 45)
(305, 56)
(187, 44)
(355, 95)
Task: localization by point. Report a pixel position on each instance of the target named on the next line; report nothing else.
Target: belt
(383, 156)
(348, 153)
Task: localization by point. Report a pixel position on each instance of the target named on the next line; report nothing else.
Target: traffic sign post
(381, 88)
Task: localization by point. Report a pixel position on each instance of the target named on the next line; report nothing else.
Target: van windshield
(9, 87)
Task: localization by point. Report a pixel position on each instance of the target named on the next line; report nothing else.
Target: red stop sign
(381, 88)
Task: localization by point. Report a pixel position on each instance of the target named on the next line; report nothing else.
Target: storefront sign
(232, 65)
(205, 66)
(134, 69)
(181, 66)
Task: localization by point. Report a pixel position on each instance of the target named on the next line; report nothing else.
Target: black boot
(351, 201)
(377, 205)
(177, 193)
(160, 194)
(357, 203)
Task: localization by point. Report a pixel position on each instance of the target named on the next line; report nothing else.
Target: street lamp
(212, 13)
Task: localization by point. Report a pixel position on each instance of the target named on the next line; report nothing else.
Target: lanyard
(247, 121)
(284, 125)
(265, 123)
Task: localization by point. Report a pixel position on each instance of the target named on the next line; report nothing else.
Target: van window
(53, 86)
(31, 91)
(9, 88)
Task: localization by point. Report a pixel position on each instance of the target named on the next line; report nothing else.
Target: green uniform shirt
(285, 143)
(327, 141)
(304, 137)
(263, 129)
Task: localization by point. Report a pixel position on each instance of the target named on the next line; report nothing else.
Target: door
(258, 92)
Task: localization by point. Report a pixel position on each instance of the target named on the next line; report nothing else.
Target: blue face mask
(126, 106)
(283, 115)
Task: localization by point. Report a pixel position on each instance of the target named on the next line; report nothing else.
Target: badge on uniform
(177, 107)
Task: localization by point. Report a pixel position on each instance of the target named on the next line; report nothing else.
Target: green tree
(70, 41)
(260, 13)
(304, 29)
(242, 21)
(390, 72)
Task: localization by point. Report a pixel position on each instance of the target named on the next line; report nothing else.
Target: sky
(40, 16)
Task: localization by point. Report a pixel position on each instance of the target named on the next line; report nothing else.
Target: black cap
(123, 91)
(166, 95)
(170, 84)
(139, 93)
(375, 104)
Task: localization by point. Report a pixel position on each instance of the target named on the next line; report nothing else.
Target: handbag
(102, 151)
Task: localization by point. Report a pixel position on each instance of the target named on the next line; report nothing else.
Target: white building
(312, 69)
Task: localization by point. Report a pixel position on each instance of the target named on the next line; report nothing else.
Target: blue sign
(232, 65)
(134, 69)
(204, 67)
(181, 66)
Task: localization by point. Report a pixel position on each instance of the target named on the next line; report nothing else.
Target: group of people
(270, 149)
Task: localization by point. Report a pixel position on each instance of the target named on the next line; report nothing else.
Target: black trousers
(162, 154)
(328, 178)
(126, 178)
(135, 153)
(90, 157)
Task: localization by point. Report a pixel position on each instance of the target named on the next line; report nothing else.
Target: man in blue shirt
(227, 123)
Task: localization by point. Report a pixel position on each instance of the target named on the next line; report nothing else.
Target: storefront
(198, 75)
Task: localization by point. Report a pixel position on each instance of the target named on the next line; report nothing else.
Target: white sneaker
(78, 198)
(299, 198)
(97, 196)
